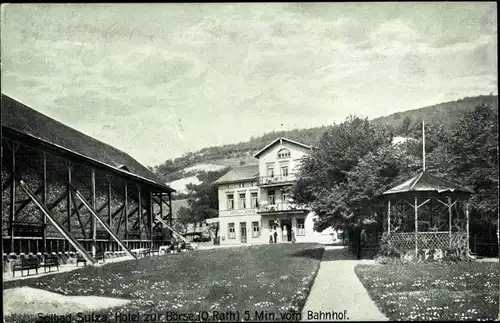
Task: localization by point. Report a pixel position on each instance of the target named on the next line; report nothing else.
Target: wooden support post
(416, 228)
(44, 200)
(126, 214)
(93, 204)
(161, 212)
(170, 208)
(68, 205)
(109, 203)
(12, 197)
(467, 225)
(389, 217)
(449, 219)
(140, 209)
(151, 217)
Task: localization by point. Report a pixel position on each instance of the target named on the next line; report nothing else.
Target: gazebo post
(467, 225)
(449, 218)
(416, 227)
(389, 216)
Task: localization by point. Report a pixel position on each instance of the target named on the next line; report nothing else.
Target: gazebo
(428, 216)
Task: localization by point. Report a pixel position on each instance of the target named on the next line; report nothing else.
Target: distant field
(269, 279)
(433, 291)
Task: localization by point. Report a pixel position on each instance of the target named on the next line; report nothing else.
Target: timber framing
(51, 175)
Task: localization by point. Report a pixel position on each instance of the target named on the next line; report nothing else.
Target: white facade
(253, 202)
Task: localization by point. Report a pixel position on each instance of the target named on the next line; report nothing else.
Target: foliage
(401, 123)
(323, 182)
(204, 203)
(192, 282)
(356, 162)
(433, 291)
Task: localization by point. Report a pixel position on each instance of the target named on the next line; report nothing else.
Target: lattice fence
(405, 241)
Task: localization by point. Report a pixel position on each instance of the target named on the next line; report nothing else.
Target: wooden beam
(416, 228)
(79, 217)
(12, 196)
(151, 217)
(98, 211)
(7, 183)
(170, 208)
(109, 201)
(57, 201)
(126, 212)
(44, 199)
(140, 207)
(27, 201)
(68, 200)
(93, 205)
(120, 220)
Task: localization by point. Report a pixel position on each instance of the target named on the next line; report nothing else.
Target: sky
(160, 80)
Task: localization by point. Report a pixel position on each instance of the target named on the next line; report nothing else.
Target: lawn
(274, 279)
(434, 291)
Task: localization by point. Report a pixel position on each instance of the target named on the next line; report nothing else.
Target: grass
(272, 278)
(433, 291)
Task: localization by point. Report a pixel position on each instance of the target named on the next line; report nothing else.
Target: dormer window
(284, 153)
(124, 167)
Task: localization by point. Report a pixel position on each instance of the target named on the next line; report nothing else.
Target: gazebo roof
(425, 182)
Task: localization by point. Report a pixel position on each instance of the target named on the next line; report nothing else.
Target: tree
(204, 203)
(473, 147)
(184, 217)
(323, 176)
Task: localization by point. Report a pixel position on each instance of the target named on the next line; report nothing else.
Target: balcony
(277, 180)
(280, 207)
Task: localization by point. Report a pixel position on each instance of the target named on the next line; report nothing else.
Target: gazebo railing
(405, 241)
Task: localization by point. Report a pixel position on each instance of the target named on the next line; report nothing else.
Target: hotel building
(254, 200)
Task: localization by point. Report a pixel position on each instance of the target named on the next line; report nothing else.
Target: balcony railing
(276, 179)
(279, 207)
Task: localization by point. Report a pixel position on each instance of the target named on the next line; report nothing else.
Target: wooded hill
(242, 153)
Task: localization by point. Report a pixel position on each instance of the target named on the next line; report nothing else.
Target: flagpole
(423, 143)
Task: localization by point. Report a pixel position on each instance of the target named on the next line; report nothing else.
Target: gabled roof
(31, 123)
(280, 140)
(425, 182)
(239, 174)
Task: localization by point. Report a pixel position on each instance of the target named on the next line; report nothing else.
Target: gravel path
(337, 288)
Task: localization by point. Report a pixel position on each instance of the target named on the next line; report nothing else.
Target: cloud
(158, 80)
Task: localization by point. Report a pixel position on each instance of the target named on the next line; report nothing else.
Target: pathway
(337, 288)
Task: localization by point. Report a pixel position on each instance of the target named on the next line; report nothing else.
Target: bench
(145, 252)
(81, 259)
(50, 261)
(25, 264)
(99, 255)
(157, 251)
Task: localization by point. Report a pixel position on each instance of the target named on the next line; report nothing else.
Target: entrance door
(243, 232)
(286, 230)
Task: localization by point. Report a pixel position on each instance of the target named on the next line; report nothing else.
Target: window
(270, 171)
(286, 196)
(242, 201)
(231, 233)
(255, 201)
(254, 183)
(301, 231)
(284, 170)
(283, 153)
(270, 197)
(230, 201)
(242, 184)
(255, 230)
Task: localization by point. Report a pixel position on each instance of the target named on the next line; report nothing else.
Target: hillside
(242, 153)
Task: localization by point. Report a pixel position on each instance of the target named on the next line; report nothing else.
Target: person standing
(293, 236)
(275, 236)
(270, 235)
